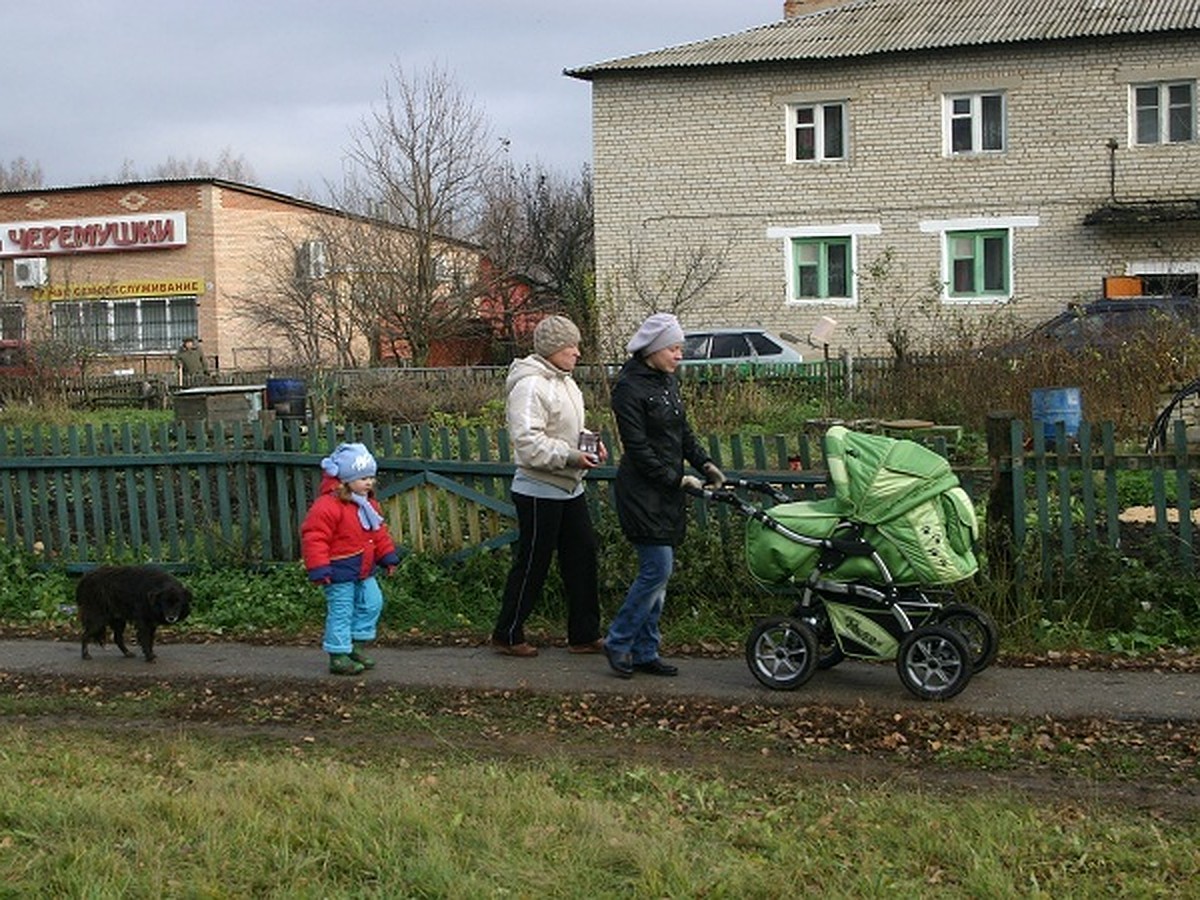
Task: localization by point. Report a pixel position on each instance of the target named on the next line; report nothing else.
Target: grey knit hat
(553, 334)
(658, 331)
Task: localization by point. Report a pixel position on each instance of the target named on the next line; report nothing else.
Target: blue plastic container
(1050, 406)
(288, 397)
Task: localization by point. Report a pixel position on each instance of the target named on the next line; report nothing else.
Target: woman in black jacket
(657, 441)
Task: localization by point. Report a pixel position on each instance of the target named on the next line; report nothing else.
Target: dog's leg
(145, 636)
(85, 653)
(118, 629)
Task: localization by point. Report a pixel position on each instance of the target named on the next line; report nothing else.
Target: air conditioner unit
(312, 262)
(30, 273)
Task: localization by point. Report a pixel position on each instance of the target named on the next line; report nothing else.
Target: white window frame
(819, 108)
(944, 227)
(975, 113)
(789, 234)
(1163, 107)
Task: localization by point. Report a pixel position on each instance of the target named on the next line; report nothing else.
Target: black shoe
(656, 667)
(622, 663)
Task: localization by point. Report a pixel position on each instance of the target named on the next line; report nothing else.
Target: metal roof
(867, 27)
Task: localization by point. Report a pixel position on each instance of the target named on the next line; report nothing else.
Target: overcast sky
(282, 83)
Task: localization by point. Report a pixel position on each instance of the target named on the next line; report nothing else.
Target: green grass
(187, 814)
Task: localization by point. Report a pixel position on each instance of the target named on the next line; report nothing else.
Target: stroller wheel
(977, 628)
(782, 652)
(934, 662)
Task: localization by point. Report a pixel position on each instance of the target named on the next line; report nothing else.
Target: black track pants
(546, 526)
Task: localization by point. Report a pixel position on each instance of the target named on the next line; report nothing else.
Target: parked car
(1107, 324)
(728, 346)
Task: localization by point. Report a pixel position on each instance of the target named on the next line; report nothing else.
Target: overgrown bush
(1127, 385)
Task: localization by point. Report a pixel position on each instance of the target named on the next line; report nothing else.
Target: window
(821, 268)
(126, 326)
(732, 346)
(974, 123)
(978, 262)
(816, 132)
(763, 345)
(819, 260)
(1164, 113)
(12, 322)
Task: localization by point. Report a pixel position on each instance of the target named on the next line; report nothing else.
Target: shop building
(128, 271)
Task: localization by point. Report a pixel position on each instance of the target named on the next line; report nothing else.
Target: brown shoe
(596, 646)
(522, 649)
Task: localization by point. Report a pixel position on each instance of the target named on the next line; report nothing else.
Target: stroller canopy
(879, 478)
(907, 501)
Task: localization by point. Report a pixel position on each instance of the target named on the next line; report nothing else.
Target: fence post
(998, 541)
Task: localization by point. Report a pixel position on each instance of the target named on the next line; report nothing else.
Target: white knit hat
(658, 331)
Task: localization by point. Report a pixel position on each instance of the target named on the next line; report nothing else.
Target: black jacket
(656, 440)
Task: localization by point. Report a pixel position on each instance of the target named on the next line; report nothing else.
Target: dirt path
(1120, 694)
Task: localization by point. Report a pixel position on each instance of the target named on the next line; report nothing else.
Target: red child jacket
(334, 543)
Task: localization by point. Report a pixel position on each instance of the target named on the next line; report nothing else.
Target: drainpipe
(1112, 170)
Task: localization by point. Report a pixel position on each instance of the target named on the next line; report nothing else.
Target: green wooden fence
(1091, 495)
(186, 494)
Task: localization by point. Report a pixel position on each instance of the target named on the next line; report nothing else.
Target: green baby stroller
(872, 567)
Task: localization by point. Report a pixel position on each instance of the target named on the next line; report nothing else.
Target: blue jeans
(352, 610)
(634, 629)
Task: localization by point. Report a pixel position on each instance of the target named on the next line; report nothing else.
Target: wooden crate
(220, 403)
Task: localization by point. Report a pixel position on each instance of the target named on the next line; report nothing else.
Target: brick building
(873, 159)
(130, 270)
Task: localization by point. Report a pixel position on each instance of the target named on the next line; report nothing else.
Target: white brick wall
(696, 157)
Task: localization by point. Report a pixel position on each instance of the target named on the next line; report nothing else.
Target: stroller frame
(937, 646)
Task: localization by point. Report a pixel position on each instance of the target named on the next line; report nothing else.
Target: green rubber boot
(342, 664)
(359, 655)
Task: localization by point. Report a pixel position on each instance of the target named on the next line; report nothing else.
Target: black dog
(110, 596)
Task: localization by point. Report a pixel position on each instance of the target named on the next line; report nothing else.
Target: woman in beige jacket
(545, 416)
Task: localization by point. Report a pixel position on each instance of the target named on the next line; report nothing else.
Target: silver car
(728, 346)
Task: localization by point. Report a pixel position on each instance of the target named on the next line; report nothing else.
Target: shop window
(144, 325)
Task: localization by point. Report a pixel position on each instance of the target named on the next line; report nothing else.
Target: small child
(343, 539)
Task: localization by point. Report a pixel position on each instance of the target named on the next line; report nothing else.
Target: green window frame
(978, 263)
(821, 268)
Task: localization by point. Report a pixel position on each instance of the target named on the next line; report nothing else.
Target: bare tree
(20, 175)
(418, 162)
(537, 229)
(227, 167)
(677, 284)
(301, 300)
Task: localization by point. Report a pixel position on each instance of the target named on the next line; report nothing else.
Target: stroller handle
(761, 487)
(726, 493)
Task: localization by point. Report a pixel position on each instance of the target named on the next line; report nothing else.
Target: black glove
(716, 478)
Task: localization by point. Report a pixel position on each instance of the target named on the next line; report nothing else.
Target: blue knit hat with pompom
(350, 461)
